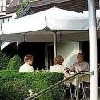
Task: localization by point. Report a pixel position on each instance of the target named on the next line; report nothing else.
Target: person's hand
(67, 70)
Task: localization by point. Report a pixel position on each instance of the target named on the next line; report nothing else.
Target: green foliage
(22, 6)
(4, 59)
(14, 63)
(36, 81)
(16, 88)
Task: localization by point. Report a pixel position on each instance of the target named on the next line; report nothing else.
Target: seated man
(80, 65)
(26, 67)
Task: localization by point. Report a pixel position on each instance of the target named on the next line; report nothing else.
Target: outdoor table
(81, 77)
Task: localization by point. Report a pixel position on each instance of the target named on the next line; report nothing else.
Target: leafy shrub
(22, 6)
(14, 63)
(13, 90)
(36, 81)
(4, 59)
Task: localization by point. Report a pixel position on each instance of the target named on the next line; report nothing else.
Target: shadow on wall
(69, 61)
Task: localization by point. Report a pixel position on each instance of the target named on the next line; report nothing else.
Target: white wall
(6, 19)
(69, 51)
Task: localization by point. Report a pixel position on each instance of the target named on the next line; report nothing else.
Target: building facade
(68, 49)
(2, 7)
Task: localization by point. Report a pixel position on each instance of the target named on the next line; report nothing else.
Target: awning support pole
(93, 50)
(55, 44)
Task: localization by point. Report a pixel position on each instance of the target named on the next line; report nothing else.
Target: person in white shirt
(58, 67)
(26, 67)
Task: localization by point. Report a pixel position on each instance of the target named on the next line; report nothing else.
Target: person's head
(28, 59)
(58, 60)
(80, 57)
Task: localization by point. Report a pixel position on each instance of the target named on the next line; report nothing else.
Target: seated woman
(26, 67)
(58, 67)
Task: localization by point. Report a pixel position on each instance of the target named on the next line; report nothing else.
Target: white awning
(39, 27)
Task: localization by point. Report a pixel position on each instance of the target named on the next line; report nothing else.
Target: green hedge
(14, 63)
(4, 59)
(15, 85)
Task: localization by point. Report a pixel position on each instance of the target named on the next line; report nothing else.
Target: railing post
(77, 87)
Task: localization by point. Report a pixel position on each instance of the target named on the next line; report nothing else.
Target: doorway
(37, 49)
(50, 55)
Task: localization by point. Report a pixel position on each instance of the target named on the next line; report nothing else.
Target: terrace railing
(43, 92)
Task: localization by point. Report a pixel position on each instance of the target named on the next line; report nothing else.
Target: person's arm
(72, 68)
(31, 69)
(86, 67)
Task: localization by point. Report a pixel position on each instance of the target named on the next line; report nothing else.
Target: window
(2, 5)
